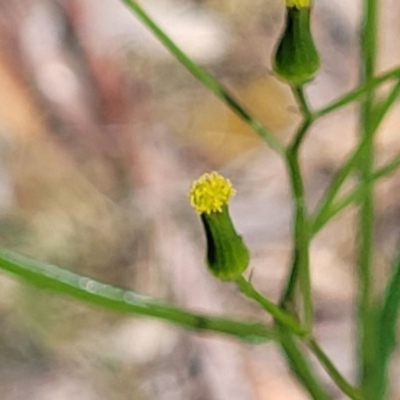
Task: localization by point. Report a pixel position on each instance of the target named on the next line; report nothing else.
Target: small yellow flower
(298, 3)
(227, 256)
(210, 193)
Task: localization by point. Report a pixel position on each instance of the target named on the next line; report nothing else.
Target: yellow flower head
(298, 3)
(210, 193)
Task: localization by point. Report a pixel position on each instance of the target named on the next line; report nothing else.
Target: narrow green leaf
(85, 289)
(359, 92)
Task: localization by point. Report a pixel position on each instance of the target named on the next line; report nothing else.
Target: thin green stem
(308, 119)
(85, 289)
(366, 322)
(303, 103)
(301, 268)
(358, 93)
(387, 169)
(205, 78)
(337, 182)
(354, 196)
(300, 366)
(335, 209)
(278, 313)
(365, 301)
(300, 261)
(329, 367)
(324, 210)
(382, 108)
(377, 115)
(387, 317)
(291, 326)
(366, 242)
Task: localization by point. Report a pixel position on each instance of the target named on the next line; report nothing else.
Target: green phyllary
(227, 256)
(296, 58)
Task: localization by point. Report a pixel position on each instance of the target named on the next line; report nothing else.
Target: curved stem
(300, 271)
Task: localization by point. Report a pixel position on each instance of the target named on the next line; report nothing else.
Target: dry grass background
(101, 133)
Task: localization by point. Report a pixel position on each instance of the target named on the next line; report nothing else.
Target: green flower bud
(296, 58)
(227, 255)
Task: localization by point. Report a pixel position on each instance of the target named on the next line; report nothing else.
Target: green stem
(354, 196)
(340, 176)
(278, 313)
(382, 108)
(366, 322)
(291, 326)
(324, 210)
(308, 119)
(300, 264)
(300, 366)
(64, 282)
(301, 268)
(387, 169)
(377, 115)
(387, 316)
(336, 376)
(358, 93)
(205, 78)
(335, 209)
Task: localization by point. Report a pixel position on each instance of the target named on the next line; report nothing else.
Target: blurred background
(102, 132)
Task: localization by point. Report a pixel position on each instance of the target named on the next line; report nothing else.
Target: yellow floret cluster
(298, 3)
(210, 193)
